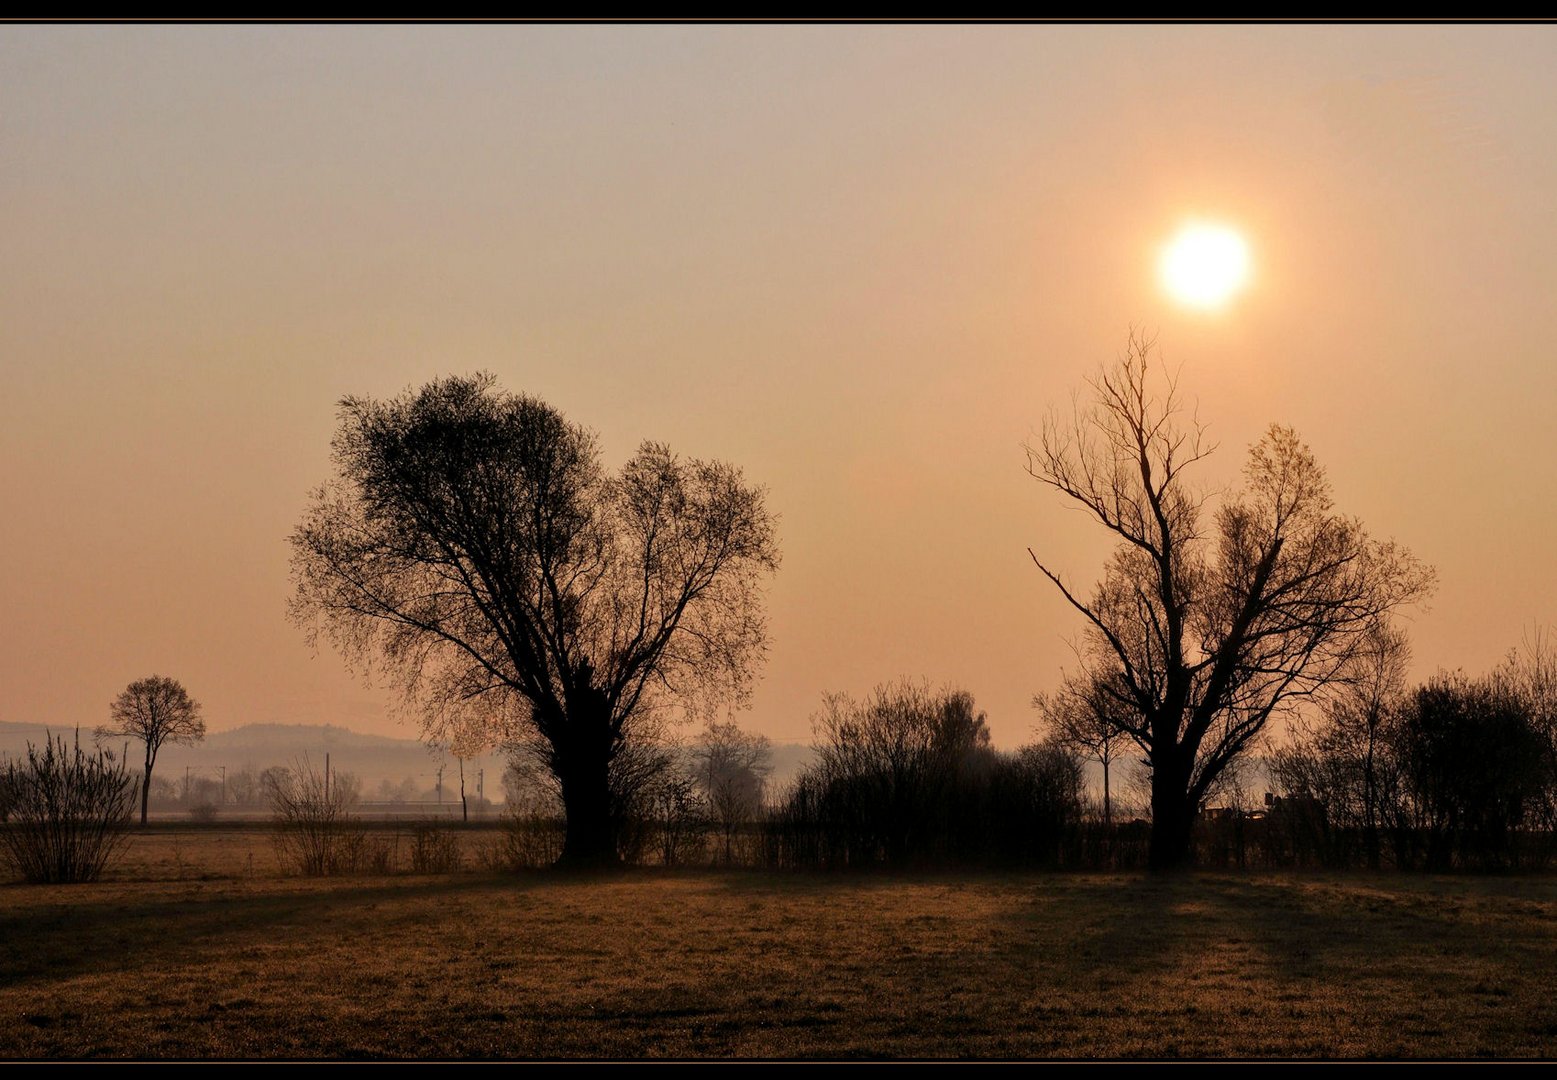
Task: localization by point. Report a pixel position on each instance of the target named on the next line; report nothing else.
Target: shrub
(380, 854)
(204, 812)
(68, 811)
(526, 840)
(435, 849)
(316, 833)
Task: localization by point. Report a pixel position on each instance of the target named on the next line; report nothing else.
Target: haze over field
(861, 263)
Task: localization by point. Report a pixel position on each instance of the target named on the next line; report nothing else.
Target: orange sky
(861, 262)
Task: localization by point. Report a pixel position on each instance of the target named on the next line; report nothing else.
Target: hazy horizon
(860, 262)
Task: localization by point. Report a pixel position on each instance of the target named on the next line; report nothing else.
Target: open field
(213, 953)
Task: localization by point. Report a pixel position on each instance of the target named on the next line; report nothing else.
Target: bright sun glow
(1204, 265)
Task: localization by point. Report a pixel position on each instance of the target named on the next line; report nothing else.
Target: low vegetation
(250, 963)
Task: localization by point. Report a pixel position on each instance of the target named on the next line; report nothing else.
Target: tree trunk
(1108, 809)
(590, 840)
(1172, 817)
(1371, 802)
(145, 793)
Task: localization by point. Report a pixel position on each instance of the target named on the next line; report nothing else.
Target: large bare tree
(472, 543)
(154, 710)
(1207, 622)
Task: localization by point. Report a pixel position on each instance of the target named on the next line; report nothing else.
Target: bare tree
(671, 802)
(155, 710)
(1206, 633)
(1082, 715)
(1358, 712)
(473, 544)
(732, 767)
(1343, 761)
(1530, 673)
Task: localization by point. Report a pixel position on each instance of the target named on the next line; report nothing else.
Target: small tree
(154, 710)
(671, 802)
(888, 769)
(68, 811)
(1344, 761)
(529, 834)
(1082, 715)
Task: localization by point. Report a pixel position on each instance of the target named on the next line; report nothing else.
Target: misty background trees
(473, 545)
(1201, 631)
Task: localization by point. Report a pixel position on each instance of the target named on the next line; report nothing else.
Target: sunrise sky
(860, 262)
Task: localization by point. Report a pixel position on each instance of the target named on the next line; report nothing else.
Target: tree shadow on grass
(74, 933)
(1247, 964)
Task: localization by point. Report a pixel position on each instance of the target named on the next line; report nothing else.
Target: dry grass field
(196, 946)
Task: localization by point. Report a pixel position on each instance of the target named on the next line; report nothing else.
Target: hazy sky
(860, 262)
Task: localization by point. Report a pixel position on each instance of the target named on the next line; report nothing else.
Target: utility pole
(440, 785)
(223, 769)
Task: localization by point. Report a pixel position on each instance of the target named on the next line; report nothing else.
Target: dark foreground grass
(243, 963)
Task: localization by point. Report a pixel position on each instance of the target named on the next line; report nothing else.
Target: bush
(204, 812)
(677, 817)
(380, 854)
(68, 812)
(435, 849)
(316, 833)
(526, 840)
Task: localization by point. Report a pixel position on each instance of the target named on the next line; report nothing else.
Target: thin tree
(154, 710)
(1358, 713)
(472, 544)
(1208, 629)
(1081, 714)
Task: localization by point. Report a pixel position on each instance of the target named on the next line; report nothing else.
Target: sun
(1204, 265)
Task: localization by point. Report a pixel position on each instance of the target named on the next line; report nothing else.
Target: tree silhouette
(472, 543)
(1082, 714)
(1202, 635)
(154, 710)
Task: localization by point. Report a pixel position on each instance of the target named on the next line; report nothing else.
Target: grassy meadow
(195, 945)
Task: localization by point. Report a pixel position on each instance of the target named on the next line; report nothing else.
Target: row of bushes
(1458, 773)
(908, 778)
